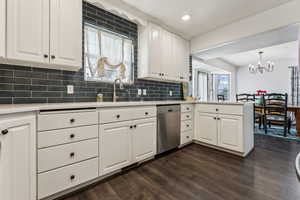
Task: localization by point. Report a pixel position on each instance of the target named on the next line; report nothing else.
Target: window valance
(113, 7)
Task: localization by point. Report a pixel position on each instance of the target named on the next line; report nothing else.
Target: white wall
(276, 81)
(277, 17)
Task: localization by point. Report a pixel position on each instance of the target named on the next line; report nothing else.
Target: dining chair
(221, 97)
(275, 111)
(244, 97)
(258, 115)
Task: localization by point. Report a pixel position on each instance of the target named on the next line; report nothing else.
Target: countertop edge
(6, 109)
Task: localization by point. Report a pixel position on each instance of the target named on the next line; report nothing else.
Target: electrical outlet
(70, 89)
(139, 92)
(144, 92)
(171, 93)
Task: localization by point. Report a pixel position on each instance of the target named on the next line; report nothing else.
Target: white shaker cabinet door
(206, 128)
(144, 139)
(18, 159)
(66, 32)
(2, 27)
(230, 132)
(155, 51)
(115, 146)
(167, 55)
(185, 67)
(28, 30)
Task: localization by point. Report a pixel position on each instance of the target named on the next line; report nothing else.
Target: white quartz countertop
(222, 103)
(19, 108)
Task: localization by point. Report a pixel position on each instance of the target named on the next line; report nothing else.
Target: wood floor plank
(201, 173)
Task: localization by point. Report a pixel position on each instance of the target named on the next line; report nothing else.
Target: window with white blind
(116, 48)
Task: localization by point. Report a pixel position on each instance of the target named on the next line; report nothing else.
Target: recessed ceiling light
(186, 17)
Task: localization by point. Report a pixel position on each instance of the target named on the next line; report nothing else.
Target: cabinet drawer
(64, 136)
(186, 125)
(231, 109)
(186, 137)
(61, 179)
(222, 109)
(124, 114)
(207, 108)
(66, 120)
(55, 157)
(186, 116)
(186, 108)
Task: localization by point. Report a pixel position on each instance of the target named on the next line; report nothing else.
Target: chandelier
(261, 67)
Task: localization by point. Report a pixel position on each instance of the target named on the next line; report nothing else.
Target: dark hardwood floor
(201, 173)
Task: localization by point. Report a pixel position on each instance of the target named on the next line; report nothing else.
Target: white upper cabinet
(155, 36)
(167, 67)
(2, 27)
(162, 55)
(45, 31)
(28, 30)
(18, 158)
(66, 32)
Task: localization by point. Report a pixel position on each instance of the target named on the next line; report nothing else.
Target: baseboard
(241, 154)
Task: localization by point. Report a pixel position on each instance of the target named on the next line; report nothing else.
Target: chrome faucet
(115, 97)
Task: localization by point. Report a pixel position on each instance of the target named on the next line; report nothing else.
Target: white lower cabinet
(222, 130)
(125, 143)
(62, 155)
(186, 137)
(206, 128)
(63, 178)
(18, 158)
(115, 142)
(226, 127)
(143, 139)
(230, 129)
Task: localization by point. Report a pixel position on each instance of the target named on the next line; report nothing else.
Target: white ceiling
(271, 38)
(279, 52)
(206, 15)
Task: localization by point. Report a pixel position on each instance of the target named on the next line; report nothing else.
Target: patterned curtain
(294, 78)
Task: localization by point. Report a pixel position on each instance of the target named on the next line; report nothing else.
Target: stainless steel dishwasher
(168, 127)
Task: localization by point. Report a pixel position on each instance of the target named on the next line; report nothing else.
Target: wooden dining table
(291, 108)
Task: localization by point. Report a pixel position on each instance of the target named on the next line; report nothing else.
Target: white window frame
(123, 37)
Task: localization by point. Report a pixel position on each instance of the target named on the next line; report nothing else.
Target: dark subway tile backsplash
(21, 84)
